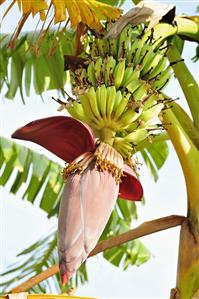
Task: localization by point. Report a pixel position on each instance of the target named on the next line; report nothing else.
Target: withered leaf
(151, 12)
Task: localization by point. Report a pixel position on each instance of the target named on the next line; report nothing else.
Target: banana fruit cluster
(119, 88)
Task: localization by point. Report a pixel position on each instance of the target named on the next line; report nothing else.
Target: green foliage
(34, 63)
(155, 156)
(41, 176)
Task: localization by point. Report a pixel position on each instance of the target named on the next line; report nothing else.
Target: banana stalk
(182, 134)
(187, 83)
(184, 26)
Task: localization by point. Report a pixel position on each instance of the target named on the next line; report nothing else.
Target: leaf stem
(144, 229)
(187, 83)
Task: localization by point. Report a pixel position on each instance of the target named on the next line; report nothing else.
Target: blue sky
(22, 224)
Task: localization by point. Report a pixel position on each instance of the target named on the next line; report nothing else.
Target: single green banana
(150, 101)
(131, 53)
(98, 70)
(137, 136)
(119, 73)
(137, 57)
(91, 74)
(76, 110)
(124, 41)
(128, 73)
(101, 47)
(133, 126)
(140, 92)
(118, 99)
(111, 96)
(109, 69)
(148, 58)
(101, 99)
(148, 116)
(129, 116)
(133, 77)
(149, 67)
(113, 46)
(93, 102)
(158, 69)
(83, 76)
(163, 79)
(93, 49)
(133, 85)
(122, 106)
(84, 99)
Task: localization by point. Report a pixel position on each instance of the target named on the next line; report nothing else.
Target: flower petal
(86, 205)
(130, 187)
(64, 136)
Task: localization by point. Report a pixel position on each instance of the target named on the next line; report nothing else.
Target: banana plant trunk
(185, 138)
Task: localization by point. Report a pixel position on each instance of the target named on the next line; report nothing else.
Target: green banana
(101, 94)
(118, 99)
(163, 79)
(130, 116)
(130, 75)
(131, 53)
(148, 116)
(119, 73)
(93, 102)
(98, 70)
(113, 46)
(111, 96)
(124, 40)
(140, 92)
(158, 69)
(76, 110)
(149, 67)
(83, 76)
(137, 56)
(101, 46)
(137, 136)
(148, 58)
(122, 106)
(84, 99)
(109, 68)
(150, 101)
(133, 85)
(93, 49)
(91, 74)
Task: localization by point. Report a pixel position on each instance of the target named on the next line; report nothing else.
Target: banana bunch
(119, 88)
(101, 108)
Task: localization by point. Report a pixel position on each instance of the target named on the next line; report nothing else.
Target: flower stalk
(187, 83)
(179, 131)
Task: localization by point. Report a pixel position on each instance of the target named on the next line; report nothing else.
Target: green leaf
(114, 255)
(127, 209)
(158, 152)
(155, 156)
(150, 165)
(27, 65)
(28, 76)
(13, 84)
(41, 175)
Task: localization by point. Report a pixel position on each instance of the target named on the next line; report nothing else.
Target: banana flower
(95, 175)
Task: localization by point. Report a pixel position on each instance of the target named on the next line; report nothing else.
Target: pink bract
(68, 138)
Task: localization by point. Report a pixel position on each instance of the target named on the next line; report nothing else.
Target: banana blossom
(95, 175)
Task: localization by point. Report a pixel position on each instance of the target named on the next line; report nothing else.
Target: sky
(22, 224)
